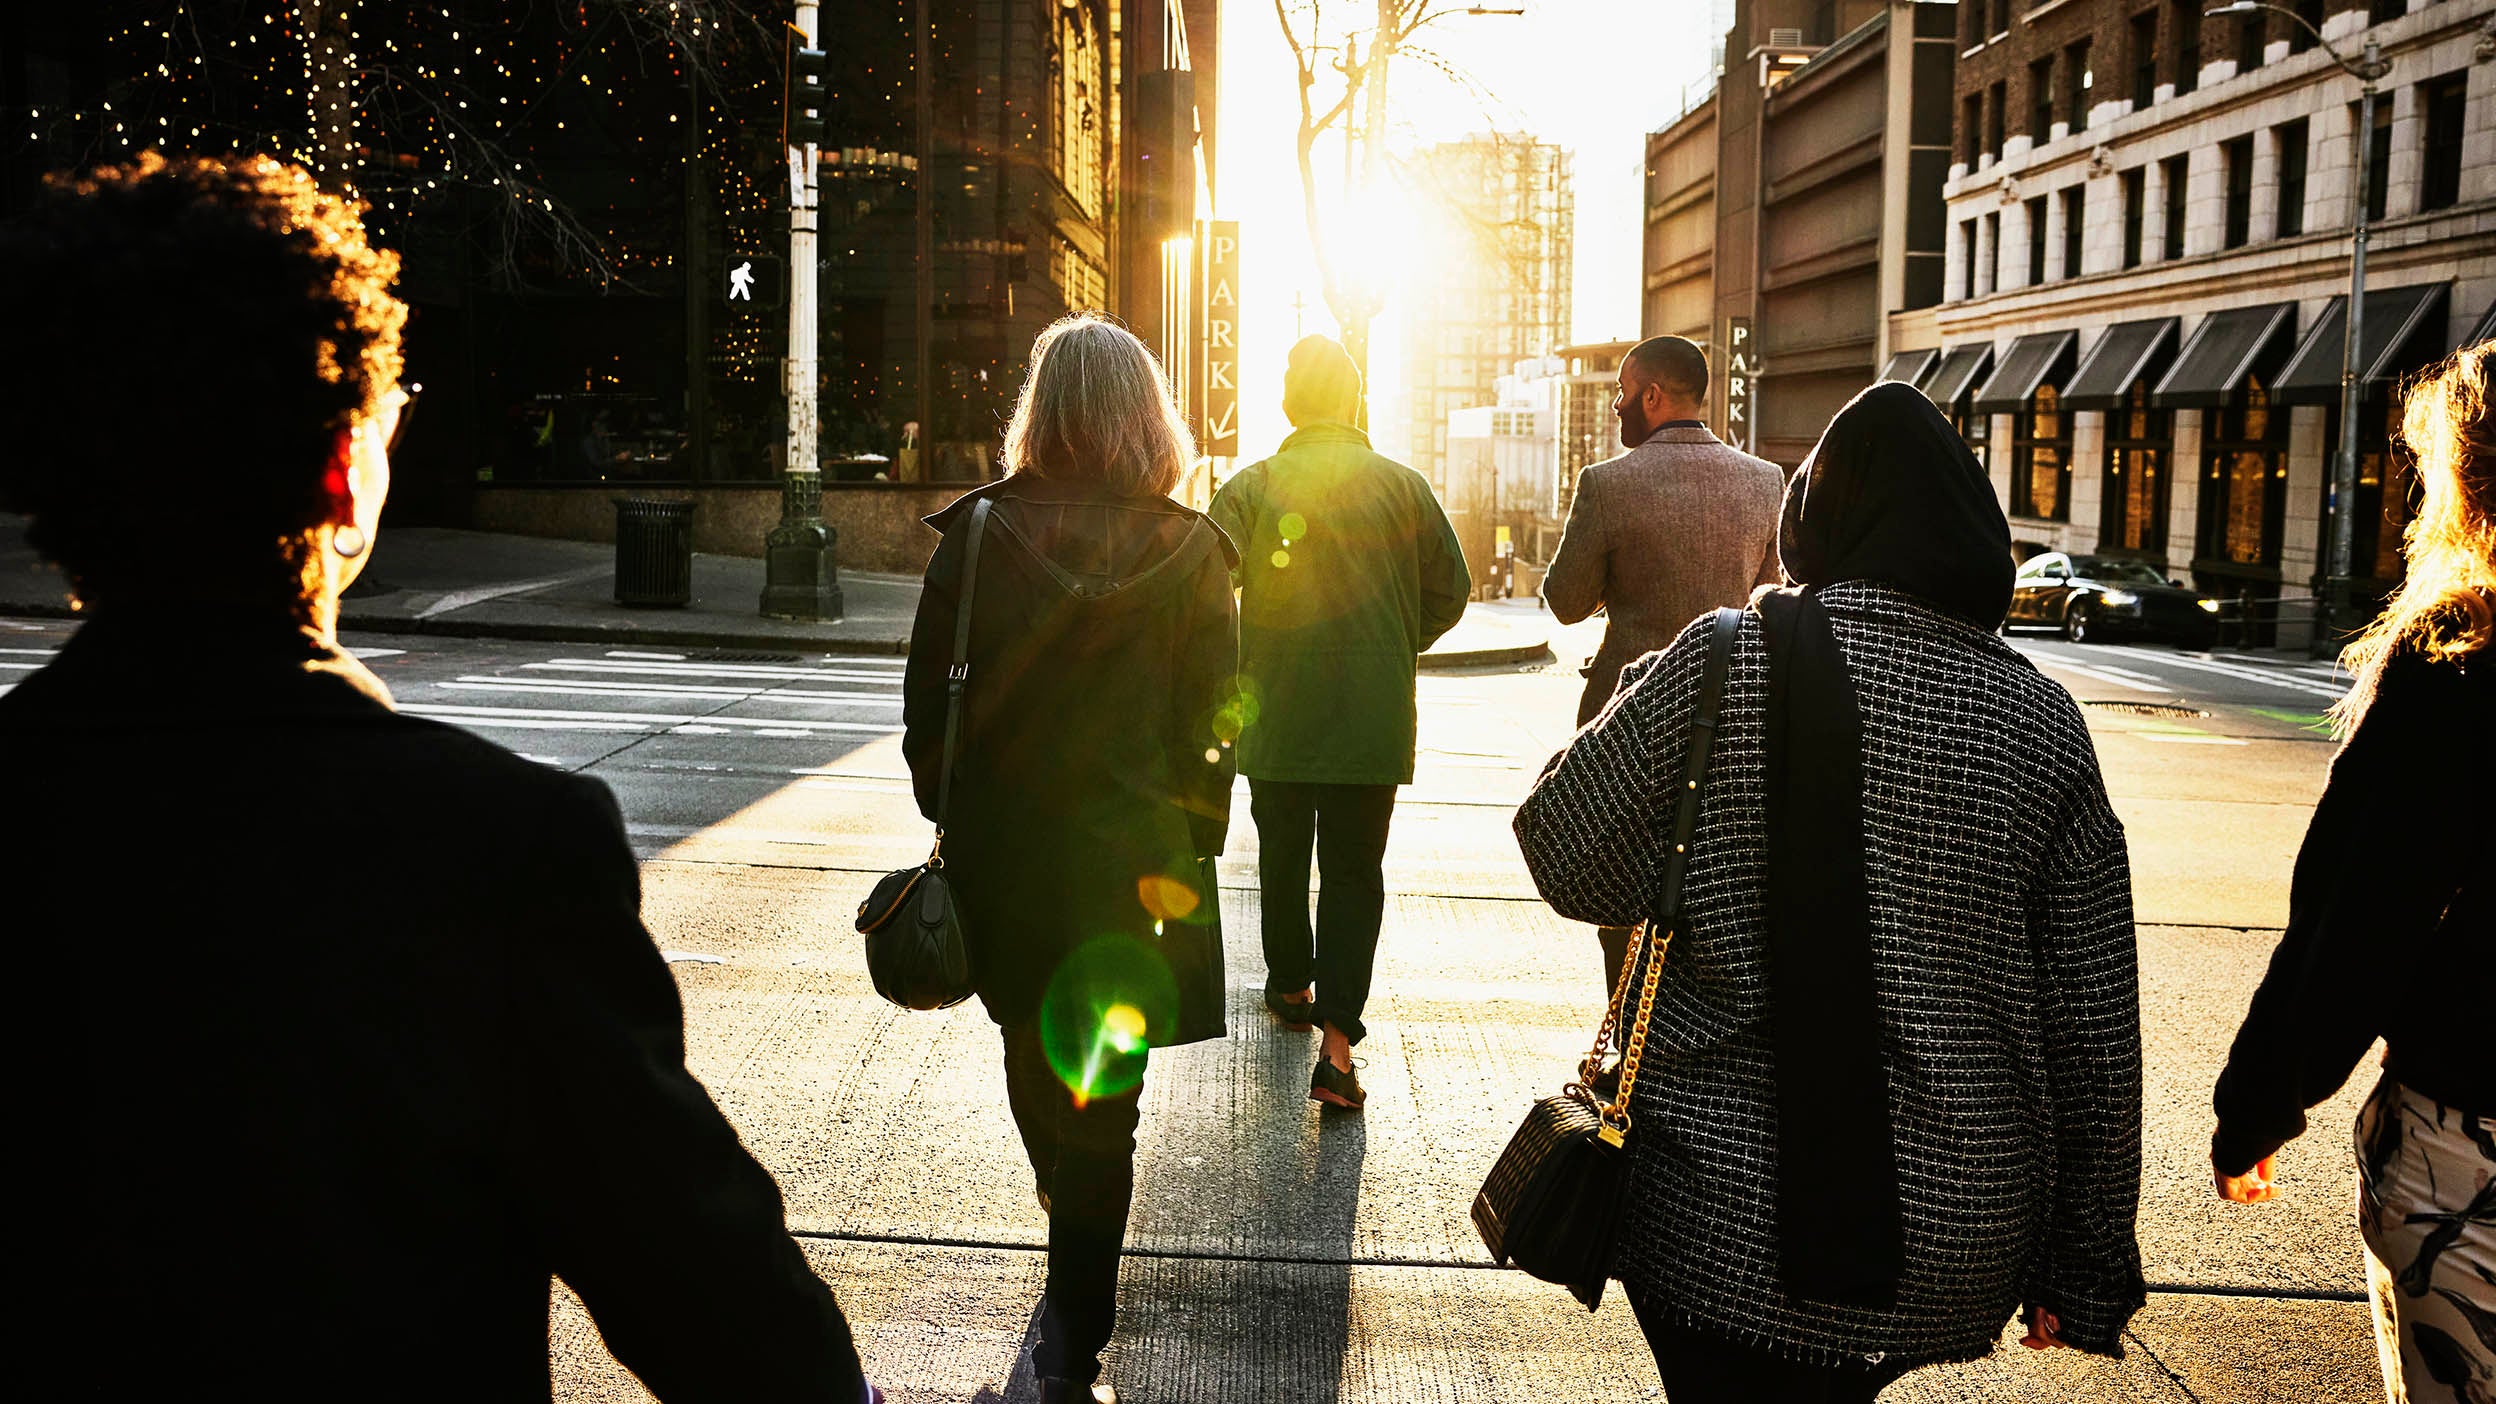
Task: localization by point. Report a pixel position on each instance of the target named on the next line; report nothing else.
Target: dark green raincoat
(1348, 570)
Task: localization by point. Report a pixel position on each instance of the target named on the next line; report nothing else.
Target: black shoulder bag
(916, 953)
(1552, 1204)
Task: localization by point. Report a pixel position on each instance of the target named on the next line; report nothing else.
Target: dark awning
(2394, 339)
(2033, 360)
(2227, 347)
(1910, 367)
(2125, 354)
(1959, 369)
(2486, 329)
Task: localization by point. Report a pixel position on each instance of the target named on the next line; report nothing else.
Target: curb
(1535, 652)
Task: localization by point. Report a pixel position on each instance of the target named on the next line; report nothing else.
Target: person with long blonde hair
(2402, 950)
(1089, 787)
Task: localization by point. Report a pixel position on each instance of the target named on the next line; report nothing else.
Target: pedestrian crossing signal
(751, 282)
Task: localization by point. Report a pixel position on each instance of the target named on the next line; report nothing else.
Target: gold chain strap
(1616, 1116)
(1633, 1042)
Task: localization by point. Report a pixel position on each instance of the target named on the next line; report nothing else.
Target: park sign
(1741, 377)
(1219, 238)
(751, 282)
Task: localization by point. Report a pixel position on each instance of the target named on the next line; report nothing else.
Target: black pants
(1083, 1158)
(1698, 1368)
(1347, 824)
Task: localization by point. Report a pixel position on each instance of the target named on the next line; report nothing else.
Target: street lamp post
(2367, 70)
(801, 577)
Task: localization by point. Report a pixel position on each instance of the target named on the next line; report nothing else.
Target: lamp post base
(801, 567)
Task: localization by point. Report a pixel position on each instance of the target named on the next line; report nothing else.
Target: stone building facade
(1801, 202)
(2147, 263)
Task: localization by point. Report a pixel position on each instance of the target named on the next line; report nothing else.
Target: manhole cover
(749, 658)
(2147, 709)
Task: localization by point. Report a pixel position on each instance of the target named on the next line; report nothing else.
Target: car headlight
(2208, 606)
(2118, 598)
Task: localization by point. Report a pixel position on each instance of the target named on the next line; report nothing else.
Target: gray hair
(1096, 408)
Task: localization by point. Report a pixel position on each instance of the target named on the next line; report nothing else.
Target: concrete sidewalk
(473, 584)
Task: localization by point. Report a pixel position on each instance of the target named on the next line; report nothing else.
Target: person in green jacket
(1349, 570)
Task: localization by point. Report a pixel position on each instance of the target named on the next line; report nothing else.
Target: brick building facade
(2147, 262)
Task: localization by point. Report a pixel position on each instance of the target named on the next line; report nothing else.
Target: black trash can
(653, 552)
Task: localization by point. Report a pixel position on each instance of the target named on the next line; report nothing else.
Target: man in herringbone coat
(1681, 524)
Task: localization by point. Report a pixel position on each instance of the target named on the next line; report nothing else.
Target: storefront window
(2384, 475)
(2138, 443)
(2244, 482)
(1974, 429)
(2041, 459)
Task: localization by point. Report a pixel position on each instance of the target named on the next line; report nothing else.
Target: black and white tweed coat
(2003, 943)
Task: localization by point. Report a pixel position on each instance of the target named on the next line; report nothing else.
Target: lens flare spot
(1293, 526)
(1213, 755)
(1123, 1026)
(1098, 1015)
(1228, 724)
(1282, 560)
(1166, 897)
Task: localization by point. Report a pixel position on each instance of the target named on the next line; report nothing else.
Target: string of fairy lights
(556, 137)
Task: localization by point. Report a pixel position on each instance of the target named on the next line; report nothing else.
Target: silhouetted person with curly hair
(351, 1034)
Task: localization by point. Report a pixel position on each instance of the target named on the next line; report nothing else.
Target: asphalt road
(1277, 1254)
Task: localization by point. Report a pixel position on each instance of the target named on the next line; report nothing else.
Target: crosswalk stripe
(455, 711)
(711, 670)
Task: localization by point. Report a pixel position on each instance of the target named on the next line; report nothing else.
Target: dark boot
(1059, 1391)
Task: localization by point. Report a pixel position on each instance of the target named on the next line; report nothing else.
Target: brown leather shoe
(1335, 1087)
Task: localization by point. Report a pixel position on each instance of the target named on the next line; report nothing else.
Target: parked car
(2088, 597)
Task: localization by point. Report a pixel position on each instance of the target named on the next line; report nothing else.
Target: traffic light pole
(800, 576)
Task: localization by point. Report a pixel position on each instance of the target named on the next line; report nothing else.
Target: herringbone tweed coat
(2003, 948)
(1680, 525)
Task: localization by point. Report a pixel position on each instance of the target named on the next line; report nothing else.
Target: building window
(2187, 46)
(1974, 431)
(2384, 470)
(2075, 223)
(2292, 139)
(2178, 171)
(2001, 17)
(2134, 192)
(2036, 241)
(1993, 249)
(1972, 129)
(2244, 490)
(1996, 98)
(2385, 11)
(2041, 458)
(2041, 100)
(2442, 102)
(2238, 155)
(2079, 84)
(2300, 36)
(2378, 157)
(2139, 444)
(2251, 33)
(2144, 59)
(1967, 265)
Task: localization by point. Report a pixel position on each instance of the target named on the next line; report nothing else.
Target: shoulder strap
(1694, 766)
(960, 672)
(1645, 964)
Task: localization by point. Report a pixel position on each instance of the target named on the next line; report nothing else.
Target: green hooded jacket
(1348, 571)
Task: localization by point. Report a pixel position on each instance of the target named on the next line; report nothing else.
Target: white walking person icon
(741, 281)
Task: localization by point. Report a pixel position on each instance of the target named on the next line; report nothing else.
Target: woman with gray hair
(1091, 779)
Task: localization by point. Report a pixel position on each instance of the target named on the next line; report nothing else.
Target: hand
(2044, 1329)
(2255, 1186)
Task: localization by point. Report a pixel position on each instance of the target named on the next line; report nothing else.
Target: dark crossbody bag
(917, 954)
(1552, 1204)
